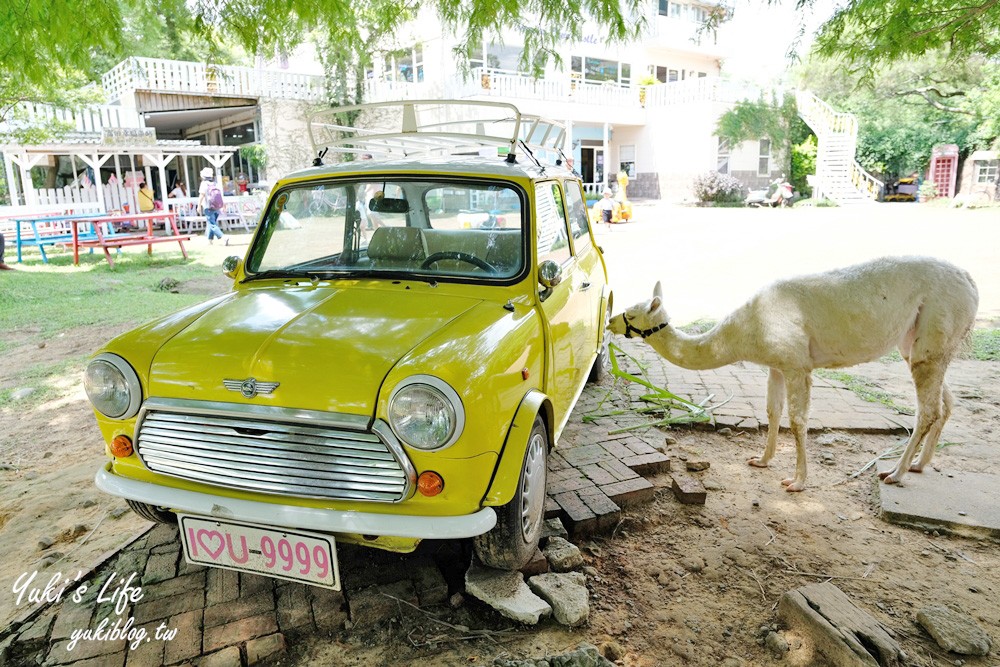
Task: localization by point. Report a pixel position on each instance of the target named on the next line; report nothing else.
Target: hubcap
(533, 487)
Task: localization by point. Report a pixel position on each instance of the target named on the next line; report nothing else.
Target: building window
(661, 74)
(626, 157)
(664, 6)
(724, 153)
(987, 170)
(405, 65)
(764, 162)
(599, 70)
(238, 134)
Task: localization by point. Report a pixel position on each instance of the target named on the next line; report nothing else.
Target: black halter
(643, 333)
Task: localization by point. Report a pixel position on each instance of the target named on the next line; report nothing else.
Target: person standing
(607, 207)
(4, 267)
(179, 191)
(211, 203)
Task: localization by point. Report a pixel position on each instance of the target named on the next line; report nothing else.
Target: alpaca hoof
(757, 463)
(916, 467)
(793, 485)
(889, 477)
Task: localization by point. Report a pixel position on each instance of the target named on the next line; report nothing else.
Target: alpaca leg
(934, 434)
(799, 386)
(775, 406)
(929, 379)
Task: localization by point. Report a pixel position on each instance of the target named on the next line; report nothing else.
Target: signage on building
(144, 136)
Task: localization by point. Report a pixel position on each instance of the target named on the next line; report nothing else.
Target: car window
(553, 238)
(579, 221)
(428, 228)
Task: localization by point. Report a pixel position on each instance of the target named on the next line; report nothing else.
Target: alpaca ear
(658, 290)
(654, 304)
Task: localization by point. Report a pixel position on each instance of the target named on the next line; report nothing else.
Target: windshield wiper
(276, 273)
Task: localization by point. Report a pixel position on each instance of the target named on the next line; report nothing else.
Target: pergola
(94, 152)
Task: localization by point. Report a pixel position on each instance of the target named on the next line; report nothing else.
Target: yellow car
(381, 372)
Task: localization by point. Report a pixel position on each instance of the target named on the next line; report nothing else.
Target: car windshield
(430, 229)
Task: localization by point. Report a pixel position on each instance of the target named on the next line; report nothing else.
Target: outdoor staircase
(839, 177)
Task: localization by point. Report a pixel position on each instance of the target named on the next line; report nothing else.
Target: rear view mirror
(388, 205)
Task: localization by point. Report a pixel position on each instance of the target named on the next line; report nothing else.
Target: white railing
(88, 119)
(175, 76)
(704, 89)
(837, 136)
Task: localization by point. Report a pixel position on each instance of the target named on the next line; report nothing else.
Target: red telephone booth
(944, 169)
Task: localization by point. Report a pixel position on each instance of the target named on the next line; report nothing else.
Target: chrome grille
(239, 449)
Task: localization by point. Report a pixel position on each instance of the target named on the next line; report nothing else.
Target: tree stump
(847, 635)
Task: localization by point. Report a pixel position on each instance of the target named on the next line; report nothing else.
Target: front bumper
(292, 516)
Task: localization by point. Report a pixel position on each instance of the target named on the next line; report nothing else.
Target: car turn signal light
(430, 483)
(121, 446)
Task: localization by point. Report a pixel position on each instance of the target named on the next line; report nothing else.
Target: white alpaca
(923, 306)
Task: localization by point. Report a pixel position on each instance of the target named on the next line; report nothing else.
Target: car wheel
(152, 512)
(512, 542)
(600, 368)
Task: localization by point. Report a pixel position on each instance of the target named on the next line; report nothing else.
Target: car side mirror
(549, 274)
(231, 266)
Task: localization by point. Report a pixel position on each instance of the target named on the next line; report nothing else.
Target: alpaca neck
(711, 349)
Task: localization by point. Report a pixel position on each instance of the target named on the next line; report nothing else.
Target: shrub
(928, 191)
(715, 187)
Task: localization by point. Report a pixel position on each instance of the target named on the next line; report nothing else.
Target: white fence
(116, 197)
(177, 76)
(89, 119)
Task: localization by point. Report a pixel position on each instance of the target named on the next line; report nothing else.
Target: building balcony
(178, 77)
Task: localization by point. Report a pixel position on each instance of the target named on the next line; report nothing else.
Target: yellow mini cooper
(403, 344)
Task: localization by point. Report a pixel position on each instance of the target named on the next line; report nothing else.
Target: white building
(661, 135)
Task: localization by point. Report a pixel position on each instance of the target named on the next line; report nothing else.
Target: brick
(162, 533)
(617, 449)
(228, 612)
(262, 648)
(619, 471)
(629, 492)
(597, 474)
(557, 462)
(252, 584)
(186, 644)
(430, 584)
(537, 565)
(59, 654)
(151, 652)
(580, 519)
(116, 660)
(71, 617)
(160, 567)
(688, 490)
(328, 608)
(552, 510)
(377, 604)
(175, 586)
(565, 483)
(294, 607)
(239, 631)
(608, 513)
(170, 606)
(222, 586)
(639, 446)
(229, 657)
(578, 456)
(648, 464)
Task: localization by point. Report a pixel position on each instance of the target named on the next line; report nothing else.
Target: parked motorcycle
(778, 193)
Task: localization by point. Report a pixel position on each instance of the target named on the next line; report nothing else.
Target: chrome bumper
(292, 516)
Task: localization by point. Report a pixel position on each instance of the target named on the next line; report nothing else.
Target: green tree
(774, 119)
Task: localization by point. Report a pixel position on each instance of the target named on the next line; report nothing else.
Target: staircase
(839, 177)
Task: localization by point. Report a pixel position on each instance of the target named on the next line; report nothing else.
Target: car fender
(508, 470)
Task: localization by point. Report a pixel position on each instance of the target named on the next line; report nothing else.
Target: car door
(564, 306)
(589, 261)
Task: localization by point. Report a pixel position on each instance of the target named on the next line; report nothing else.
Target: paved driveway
(711, 260)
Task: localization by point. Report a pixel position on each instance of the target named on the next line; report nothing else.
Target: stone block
(186, 644)
(378, 604)
(239, 631)
(537, 565)
(688, 490)
(234, 610)
(161, 608)
(160, 567)
(618, 470)
(229, 657)
(566, 593)
(294, 607)
(507, 593)
(606, 510)
(328, 609)
(430, 584)
(630, 492)
(648, 464)
(579, 518)
(264, 648)
(222, 586)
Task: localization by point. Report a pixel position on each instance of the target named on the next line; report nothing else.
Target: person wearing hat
(210, 203)
(607, 206)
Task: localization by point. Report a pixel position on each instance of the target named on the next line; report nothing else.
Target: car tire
(600, 368)
(512, 542)
(152, 512)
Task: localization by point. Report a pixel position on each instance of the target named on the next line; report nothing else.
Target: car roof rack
(407, 128)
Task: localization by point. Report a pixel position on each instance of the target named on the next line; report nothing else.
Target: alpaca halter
(643, 333)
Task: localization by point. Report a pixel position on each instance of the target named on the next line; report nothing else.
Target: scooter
(778, 193)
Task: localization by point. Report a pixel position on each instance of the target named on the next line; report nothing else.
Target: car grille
(287, 458)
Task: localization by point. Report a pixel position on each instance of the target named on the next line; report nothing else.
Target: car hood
(328, 348)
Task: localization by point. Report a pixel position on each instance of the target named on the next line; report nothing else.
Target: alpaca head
(642, 319)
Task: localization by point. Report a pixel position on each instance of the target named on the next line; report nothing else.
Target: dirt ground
(674, 584)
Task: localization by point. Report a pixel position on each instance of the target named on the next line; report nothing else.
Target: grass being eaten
(659, 400)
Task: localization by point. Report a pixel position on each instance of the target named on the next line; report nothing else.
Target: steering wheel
(460, 256)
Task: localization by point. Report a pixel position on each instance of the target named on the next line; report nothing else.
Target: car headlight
(425, 413)
(112, 386)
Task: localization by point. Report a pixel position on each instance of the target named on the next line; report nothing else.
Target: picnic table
(95, 231)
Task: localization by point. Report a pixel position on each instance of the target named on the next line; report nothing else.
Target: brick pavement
(224, 618)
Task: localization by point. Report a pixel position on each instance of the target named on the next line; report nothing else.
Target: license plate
(309, 558)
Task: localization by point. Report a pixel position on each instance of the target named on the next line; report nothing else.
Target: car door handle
(584, 286)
